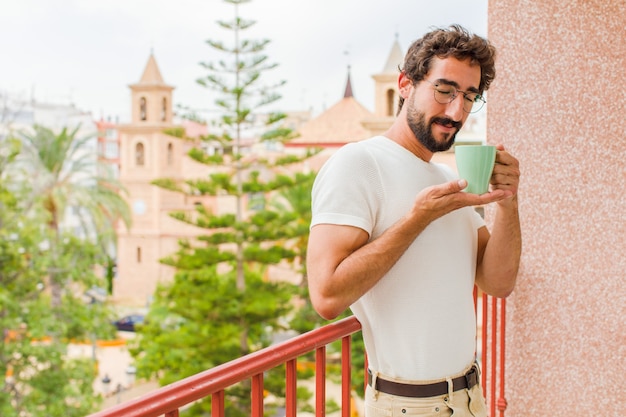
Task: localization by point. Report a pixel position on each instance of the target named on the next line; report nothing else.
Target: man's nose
(454, 109)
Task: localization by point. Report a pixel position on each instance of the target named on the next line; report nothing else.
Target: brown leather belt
(424, 390)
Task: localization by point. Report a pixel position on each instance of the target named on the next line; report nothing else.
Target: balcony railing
(169, 400)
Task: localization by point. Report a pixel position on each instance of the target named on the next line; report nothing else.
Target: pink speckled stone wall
(559, 104)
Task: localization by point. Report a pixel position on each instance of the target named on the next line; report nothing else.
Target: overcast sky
(88, 51)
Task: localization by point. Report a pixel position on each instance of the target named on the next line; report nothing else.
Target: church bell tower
(386, 94)
(147, 153)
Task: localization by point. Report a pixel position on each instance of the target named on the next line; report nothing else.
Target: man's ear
(404, 85)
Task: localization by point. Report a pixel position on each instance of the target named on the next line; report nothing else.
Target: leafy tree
(39, 379)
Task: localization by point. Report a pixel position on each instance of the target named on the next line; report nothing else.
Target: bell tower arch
(151, 98)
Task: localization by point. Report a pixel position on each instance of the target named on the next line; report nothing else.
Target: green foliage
(46, 271)
(43, 381)
(168, 184)
(200, 156)
(176, 131)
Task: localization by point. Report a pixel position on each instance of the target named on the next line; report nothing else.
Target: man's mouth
(445, 122)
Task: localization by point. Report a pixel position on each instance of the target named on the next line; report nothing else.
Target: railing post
(502, 404)
(494, 344)
(217, 404)
(346, 383)
(320, 381)
(483, 355)
(291, 388)
(257, 395)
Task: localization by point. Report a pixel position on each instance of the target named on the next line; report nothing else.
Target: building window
(143, 111)
(139, 154)
(164, 109)
(170, 154)
(111, 150)
(111, 134)
(390, 101)
(138, 254)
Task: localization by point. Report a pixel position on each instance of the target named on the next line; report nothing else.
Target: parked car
(128, 323)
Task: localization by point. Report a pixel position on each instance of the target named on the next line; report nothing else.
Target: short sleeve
(347, 190)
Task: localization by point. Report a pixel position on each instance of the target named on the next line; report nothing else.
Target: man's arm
(499, 253)
(342, 265)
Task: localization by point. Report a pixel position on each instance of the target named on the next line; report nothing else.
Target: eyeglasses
(446, 93)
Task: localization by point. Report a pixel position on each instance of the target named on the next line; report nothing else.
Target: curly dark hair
(454, 41)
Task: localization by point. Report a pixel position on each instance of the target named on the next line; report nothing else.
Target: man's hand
(438, 200)
(506, 172)
(499, 252)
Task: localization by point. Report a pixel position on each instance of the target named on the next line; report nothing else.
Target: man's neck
(403, 136)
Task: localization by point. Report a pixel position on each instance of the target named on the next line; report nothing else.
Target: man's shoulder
(366, 145)
(356, 156)
(375, 141)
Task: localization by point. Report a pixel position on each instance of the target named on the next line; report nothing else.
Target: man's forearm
(497, 272)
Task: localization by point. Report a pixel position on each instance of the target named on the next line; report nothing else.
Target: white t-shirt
(418, 320)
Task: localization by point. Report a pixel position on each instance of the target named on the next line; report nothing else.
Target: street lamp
(106, 385)
(118, 391)
(131, 371)
(95, 295)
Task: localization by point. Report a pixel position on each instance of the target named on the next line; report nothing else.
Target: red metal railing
(491, 318)
(168, 400)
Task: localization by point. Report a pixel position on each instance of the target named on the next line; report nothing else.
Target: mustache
(446, 122)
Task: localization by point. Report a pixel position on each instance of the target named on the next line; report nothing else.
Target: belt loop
(477, 367)
(450, 389)
(374, 378)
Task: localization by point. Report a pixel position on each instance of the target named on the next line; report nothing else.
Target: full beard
(424, 134)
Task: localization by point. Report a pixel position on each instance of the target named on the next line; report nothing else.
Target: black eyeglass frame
(454, 93)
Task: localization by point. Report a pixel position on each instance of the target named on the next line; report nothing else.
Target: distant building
(109, 145)
(19, 114)
(146, 153)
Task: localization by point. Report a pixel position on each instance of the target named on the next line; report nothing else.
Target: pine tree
(223, 303)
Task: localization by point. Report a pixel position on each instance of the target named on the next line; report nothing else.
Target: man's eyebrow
(456, 85)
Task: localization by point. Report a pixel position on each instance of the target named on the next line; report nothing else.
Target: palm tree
(67, 177)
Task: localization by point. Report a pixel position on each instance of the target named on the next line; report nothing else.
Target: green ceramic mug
(475, 164)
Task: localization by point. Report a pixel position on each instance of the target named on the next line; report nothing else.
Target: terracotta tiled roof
(194, 129)
(338, 125)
